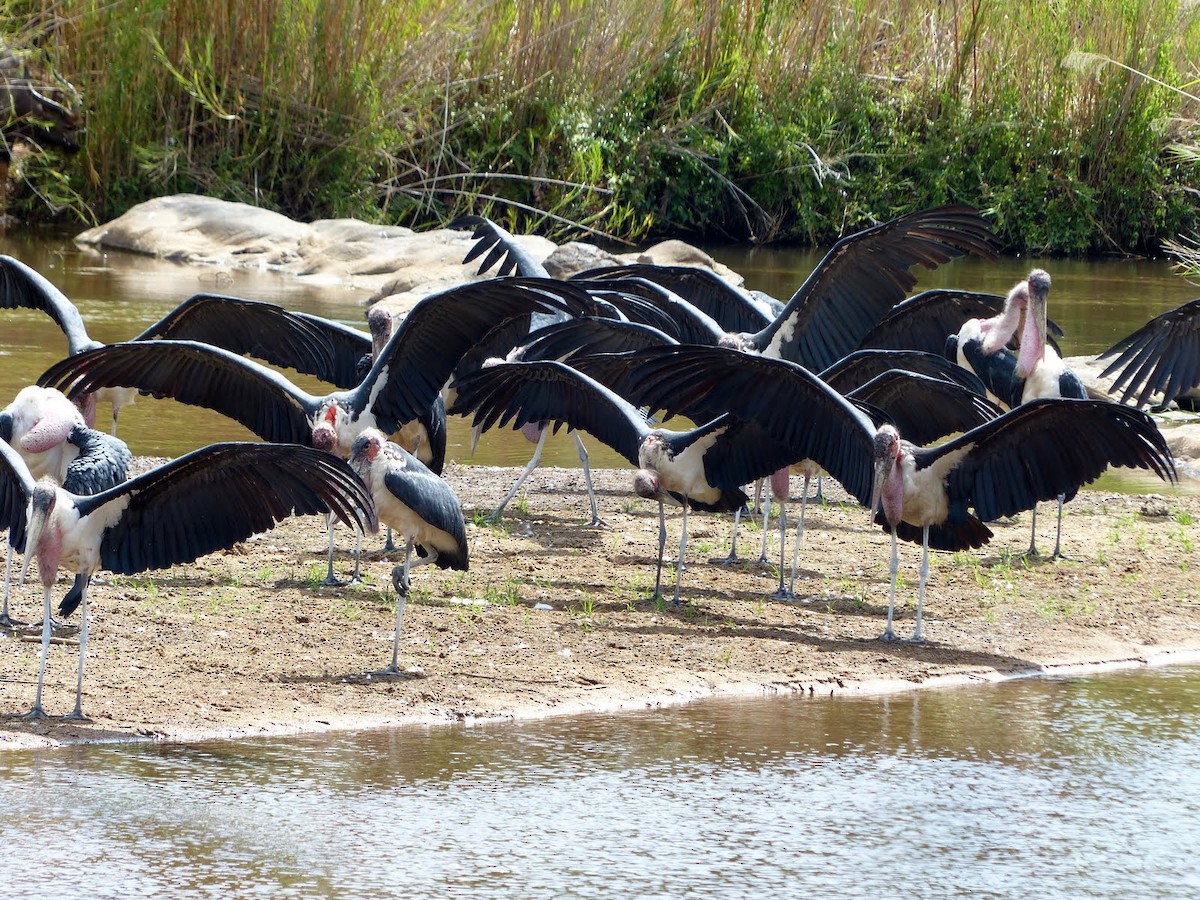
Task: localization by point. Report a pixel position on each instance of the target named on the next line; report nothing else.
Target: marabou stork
(1035, 372)
(419, 505)
(205, 501)
(403, 383)
(1162, 357)
(49, 433)
(927, 407)
(997, 469)
(701, 468)
(858, 281)
(509, 342)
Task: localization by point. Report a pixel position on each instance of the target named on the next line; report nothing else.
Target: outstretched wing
(501, 248)
(310, 344)
(198, 375)
(863, 277)
(23, 288)
(791, 404)
(1163, 356)
(219, 495)
(546, 391)
(924, 409)
(1043, 449)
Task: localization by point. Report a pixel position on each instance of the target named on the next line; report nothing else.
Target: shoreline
(244, 644)
(1181, 656)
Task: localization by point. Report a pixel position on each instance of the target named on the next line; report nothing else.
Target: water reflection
(1064, 787)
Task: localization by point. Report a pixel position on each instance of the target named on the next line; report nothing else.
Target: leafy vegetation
(763, 120)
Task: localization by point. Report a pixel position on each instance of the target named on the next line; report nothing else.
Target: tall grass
(758, 119)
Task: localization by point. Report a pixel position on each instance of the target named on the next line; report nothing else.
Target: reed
(760, 120)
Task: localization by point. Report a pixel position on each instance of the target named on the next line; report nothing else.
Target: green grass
(758, 120)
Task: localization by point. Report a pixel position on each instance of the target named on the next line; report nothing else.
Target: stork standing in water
(419, 505)
(205, 501)
(997, 469)
(1035, 372)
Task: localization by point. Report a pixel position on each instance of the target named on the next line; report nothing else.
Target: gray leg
(662, 547)
(682, 547)
(529, 467)
(888, 634)
(1032, 552)
(37, 712)
(781, 592)
(401, 582)
(924, 578)
(596, 522)
(1058, 554)
(732, 557)
(799, 536)
(5, 619)
(766, 510)
(77, 714)
(357, 576)
(330, 578)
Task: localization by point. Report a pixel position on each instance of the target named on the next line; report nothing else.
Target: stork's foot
(35, 713)
(7, 621)
(784, 594)
(332, 580)
(76, 716)
(57, 628)
(888, 635)
(731, 560)
(401, 582)
(596, 522)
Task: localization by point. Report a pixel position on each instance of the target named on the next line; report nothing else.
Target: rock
(390, 264)
(576, 256)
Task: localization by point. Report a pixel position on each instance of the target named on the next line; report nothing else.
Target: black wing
(1043, 449)
(23, 288)
(794, 406)
(427, 345)
(734, 310)
(267, 331)
(219, 495)
(924, 409)
(198, 375)
(500, 248)
(546, 391)
(1163, 356)
(590, 335)
(924, 320)
(863, 277)
(859, 367)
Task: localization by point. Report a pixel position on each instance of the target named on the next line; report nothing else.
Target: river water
(1085, 786)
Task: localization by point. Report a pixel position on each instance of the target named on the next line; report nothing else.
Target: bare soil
(553, 617)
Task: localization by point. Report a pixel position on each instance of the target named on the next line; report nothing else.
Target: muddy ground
(553, 617)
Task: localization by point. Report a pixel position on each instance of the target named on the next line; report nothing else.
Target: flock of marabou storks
(939, 412)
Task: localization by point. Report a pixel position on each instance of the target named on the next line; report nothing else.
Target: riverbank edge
(686, 688)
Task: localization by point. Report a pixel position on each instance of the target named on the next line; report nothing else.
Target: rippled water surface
(1065, 787)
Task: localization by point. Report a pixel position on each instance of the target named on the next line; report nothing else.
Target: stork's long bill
(1033, 334)
(41, 505)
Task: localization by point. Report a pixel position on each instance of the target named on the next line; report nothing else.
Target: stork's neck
(893, 492)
